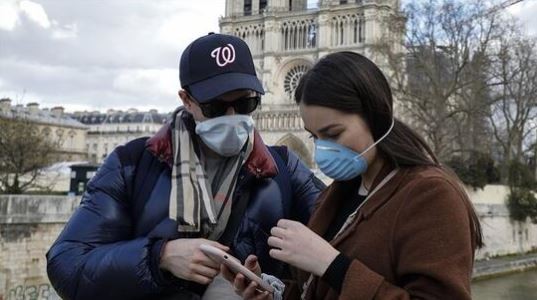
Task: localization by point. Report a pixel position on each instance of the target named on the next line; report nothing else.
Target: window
(290, 82)
(72, 135)
(262, 5)
(343, 1)
(247, 7)
(299, 34)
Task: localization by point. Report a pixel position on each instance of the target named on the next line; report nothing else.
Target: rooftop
(120, 117)
(53, 116)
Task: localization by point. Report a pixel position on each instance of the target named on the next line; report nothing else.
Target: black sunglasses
(217, 107)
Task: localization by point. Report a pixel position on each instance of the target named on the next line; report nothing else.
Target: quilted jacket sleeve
(96, 256)
(306, 188)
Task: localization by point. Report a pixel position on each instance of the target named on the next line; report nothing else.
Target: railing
(253, 35)
(347, 29)
(299, 33)
(267, 11)
(278, 120)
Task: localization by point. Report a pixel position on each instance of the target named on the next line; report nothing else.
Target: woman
(394, 224)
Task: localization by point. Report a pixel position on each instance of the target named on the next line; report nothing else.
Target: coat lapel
(381, 197)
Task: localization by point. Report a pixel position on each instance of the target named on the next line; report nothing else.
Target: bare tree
(24, 153)
(437, 70)
(514, 112)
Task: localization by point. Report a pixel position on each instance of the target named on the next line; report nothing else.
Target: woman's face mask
(339, 162)
(343, 141)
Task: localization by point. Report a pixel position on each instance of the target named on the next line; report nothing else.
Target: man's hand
(184, 259)
(240, 283)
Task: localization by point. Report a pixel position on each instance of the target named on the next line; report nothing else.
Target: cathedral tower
(287, 37)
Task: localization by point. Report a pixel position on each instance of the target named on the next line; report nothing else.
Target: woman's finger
(284, 223)
(278, 232)
(275, 242)
(278, 254)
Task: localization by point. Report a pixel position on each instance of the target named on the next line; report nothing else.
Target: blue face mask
(339, 162)
(226, 135)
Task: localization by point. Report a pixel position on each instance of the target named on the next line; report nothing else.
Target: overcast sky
(101, 54)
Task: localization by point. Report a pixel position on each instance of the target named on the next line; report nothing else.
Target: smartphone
(234, 265)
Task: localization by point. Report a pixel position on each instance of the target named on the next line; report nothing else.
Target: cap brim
(208, 89)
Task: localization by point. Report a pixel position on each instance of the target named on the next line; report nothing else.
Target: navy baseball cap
(216, 64)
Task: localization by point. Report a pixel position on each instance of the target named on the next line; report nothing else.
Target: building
(287, 37)
(53, 123)
(115, 127)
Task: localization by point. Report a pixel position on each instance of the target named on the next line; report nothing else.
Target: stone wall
(28, 226)
(502, 236)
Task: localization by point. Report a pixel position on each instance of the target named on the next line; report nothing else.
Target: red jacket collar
(260, 162)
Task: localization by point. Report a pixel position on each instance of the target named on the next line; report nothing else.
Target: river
(517, 286)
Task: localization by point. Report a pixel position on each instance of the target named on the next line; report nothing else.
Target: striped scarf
(200, 207)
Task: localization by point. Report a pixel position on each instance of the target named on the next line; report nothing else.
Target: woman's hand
(297, 245)
(240, 283)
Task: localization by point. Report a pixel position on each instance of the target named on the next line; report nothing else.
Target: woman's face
(347, 129)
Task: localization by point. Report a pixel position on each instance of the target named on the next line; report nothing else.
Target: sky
(110, 54)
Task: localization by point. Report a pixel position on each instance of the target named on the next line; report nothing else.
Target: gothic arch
(298, 34)
(347, 29)
(253, 35)
(297, 146)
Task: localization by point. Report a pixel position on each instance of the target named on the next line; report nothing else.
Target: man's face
(241, 96)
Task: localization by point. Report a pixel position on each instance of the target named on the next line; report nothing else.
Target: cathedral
(286, 38)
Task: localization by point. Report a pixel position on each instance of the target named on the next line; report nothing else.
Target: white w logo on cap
(224, 55)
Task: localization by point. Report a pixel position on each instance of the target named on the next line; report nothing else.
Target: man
(205, 178)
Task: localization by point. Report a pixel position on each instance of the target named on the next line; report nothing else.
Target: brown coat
(411, 240)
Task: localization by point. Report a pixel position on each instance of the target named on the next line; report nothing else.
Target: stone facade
(113, 128)
(287, 37)
(53, 123)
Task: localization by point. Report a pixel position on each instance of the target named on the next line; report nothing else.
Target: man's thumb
(251, 262)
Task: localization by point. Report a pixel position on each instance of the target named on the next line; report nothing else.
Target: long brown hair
(349, 82)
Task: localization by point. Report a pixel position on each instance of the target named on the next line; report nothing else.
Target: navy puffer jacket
(110, 248)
